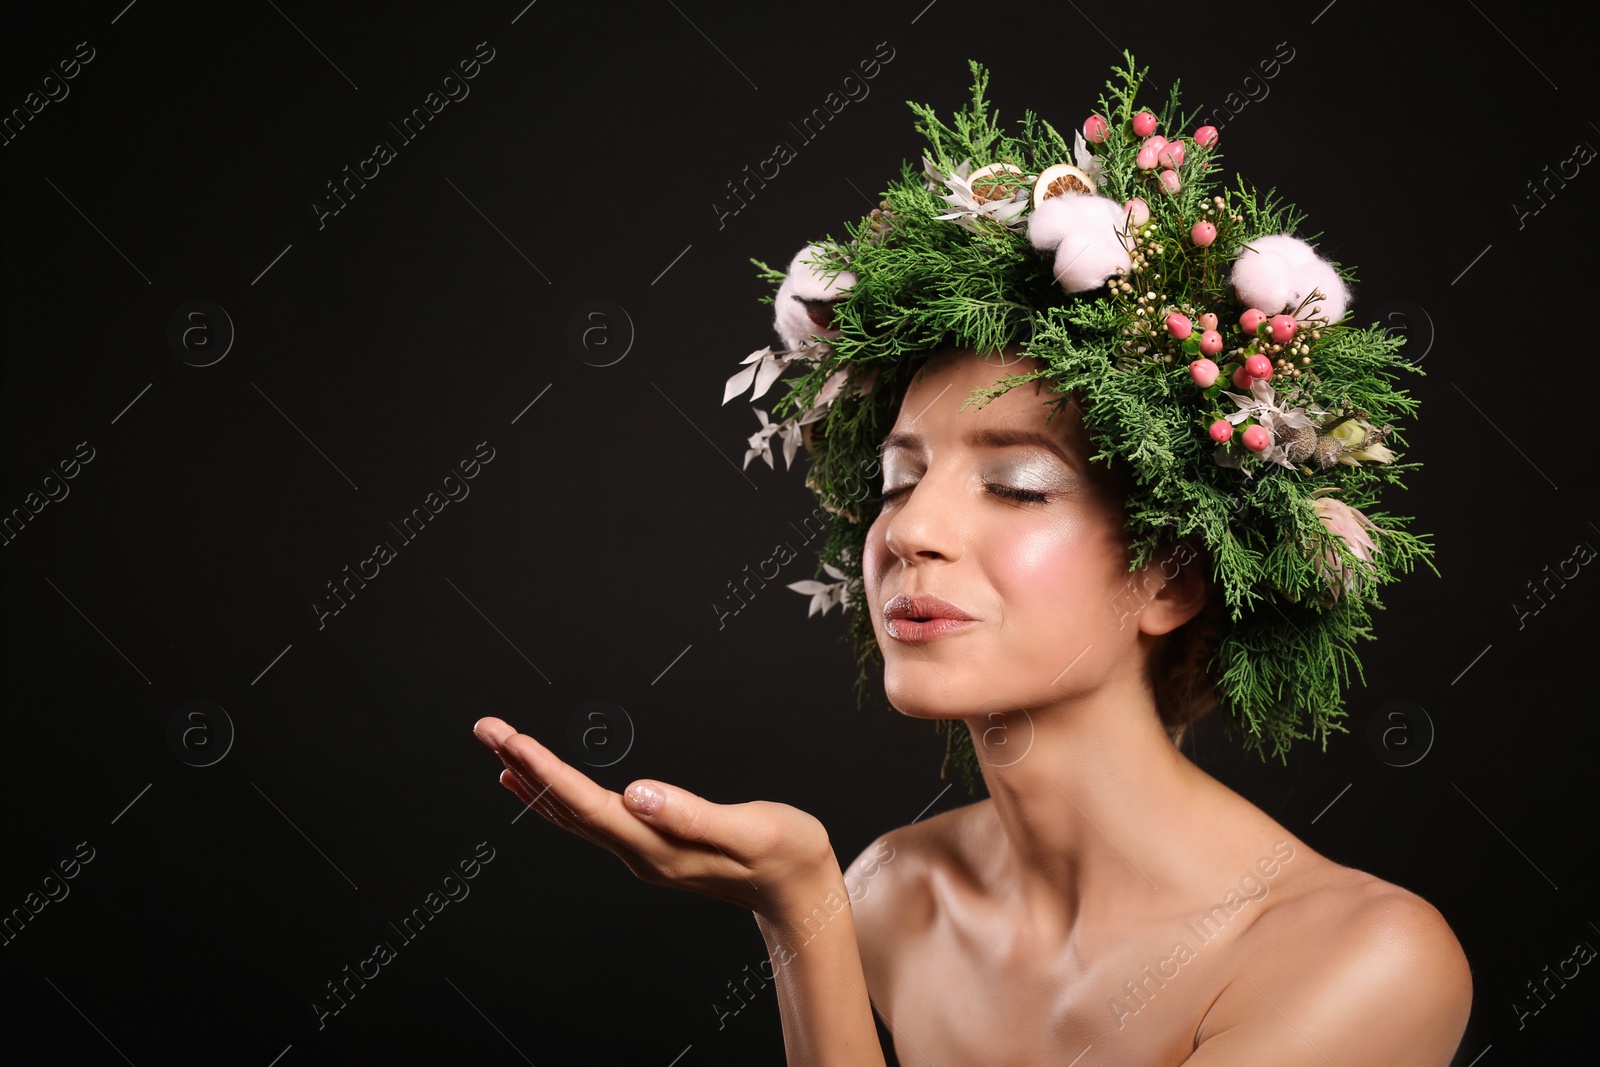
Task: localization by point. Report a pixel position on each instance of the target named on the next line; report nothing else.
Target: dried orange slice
(1063, 179)
(988, 186)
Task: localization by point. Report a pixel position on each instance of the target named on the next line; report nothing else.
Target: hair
(1179, 671)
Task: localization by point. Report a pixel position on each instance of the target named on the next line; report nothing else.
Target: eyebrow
(988, 438)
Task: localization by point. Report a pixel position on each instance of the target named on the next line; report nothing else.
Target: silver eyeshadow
(1040, 472)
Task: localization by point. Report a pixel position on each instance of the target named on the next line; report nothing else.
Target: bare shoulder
(896, 861)
(1346, 914)
(913, 850)
(890, 883)
(1341, 945)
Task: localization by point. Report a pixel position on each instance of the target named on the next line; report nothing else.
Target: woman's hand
(772, 858)
(761, 855)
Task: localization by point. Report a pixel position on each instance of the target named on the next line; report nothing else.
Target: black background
(376, 352)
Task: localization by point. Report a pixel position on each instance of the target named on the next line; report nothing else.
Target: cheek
(1040, 568)
(875, 559)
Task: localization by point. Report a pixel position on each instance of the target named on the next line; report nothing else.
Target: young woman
(1109, 899)
(1108, 902)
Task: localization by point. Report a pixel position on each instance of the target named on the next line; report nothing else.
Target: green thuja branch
(1297, 601)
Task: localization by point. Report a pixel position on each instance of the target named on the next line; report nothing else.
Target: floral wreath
(1147, 288)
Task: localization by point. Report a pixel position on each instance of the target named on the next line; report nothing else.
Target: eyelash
(1028, 496)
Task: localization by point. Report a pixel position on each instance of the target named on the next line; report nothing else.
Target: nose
(920, 526)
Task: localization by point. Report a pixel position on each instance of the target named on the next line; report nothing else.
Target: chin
(928, 691)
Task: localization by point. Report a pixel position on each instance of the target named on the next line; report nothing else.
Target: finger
(645, 843)
(690, 817)
(492, 731)
(539, 789)
(537, 795)
(583, 800)
(509, 779)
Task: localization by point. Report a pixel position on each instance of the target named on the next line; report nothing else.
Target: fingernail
(482, 733)
(645, 799)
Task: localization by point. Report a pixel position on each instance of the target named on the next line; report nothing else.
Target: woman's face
(1022, 536)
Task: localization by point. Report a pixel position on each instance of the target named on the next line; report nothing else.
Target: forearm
(821, 988)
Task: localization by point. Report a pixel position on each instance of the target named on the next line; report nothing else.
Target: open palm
(759, 855)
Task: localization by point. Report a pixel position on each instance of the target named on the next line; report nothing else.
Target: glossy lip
(917, 632)
(942, 617)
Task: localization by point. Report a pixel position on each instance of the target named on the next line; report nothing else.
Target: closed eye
(1031, 496)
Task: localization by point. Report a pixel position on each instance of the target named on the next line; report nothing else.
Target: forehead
(931, 410)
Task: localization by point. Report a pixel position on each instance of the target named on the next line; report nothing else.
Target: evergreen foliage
(1289, 638)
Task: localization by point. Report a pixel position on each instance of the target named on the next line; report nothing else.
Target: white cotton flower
(803, 304)
(1085, 232)
(1278, 273)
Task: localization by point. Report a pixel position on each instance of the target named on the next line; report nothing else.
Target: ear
(1175, 587)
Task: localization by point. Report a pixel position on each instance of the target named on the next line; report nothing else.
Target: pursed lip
(922, 606)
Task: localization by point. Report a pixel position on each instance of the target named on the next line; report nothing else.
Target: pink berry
(1211, 340)
(1178, 325)
(1220, 430)
(1170, 180)
(1144, 124)
(1241, 379)
(1156, 141)
(1146, 159)
(1206, 136)
(1204, 372)
(1282, 327)
(1208, 321)
(1203, 233)
(1171, 155)
(1094, 129)
(1256, 438)
(1258, 366)
(1138, 211)
(1251, 320)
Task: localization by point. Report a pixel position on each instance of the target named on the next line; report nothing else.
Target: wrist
(798, 910)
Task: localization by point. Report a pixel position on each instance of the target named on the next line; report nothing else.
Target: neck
(1098, 808)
